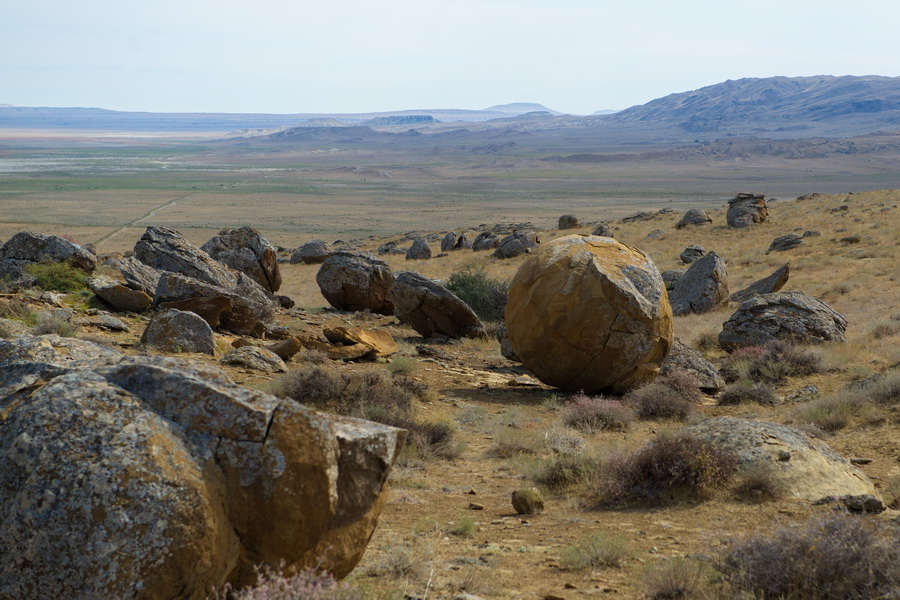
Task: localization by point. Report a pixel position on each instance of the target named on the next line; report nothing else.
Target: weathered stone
(179, 331)
(258, 359)
(11, 327)
(656, 234)
(119, 296)
(639, 216)
(431, 309)
(506, 349)
(137, 275)
(312, 253)
(379, 341)
(687, 359)
(602, 229)
(528, 501)
(782, 315)
(746, 209)
(568, 222)
(150, 477)
(767, 285)
(356, 281)
(785, 242)
(355, 352)
(285, 349)
(589, 313)
(694, 216)
(448, 242)
(247, 251)
(486, 240)
(390, 248)
(26, 247)
(672, 276)
(812, 469)
(462, 243)
(518, 243)
(52, 348)
(692, 254)
(702, 288)
(210, 308)
(105, 320)
(419, 250)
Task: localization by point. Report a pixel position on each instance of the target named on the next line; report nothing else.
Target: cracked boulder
(247, 251)
(431, 309)
(793, 316)
(766, 285)
(179, 331)
(703, 286)
(746, 209)
(152, 477)
(589, 313)
(25, 248)
(312, 253)
(356, 281)
(683, 358)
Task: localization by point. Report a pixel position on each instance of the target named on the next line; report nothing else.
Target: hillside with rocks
(606, 408)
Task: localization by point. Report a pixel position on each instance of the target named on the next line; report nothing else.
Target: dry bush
(744, 391)
(772, 363)
(562, 471)
(677, 466)
(485, 295)
(595, 550)
(837, 557)
(515, 442)
(881, 389)
(658, 401)
(676, 579)
(55, 324)
(564, 441)
(596, 414)
(401, 559)
(14, 308)
(758, 485)
(828, 414)
(305, 585)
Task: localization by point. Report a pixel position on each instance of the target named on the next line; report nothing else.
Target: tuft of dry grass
(596, 414)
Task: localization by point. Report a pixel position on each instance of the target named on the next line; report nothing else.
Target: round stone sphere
(589, 313)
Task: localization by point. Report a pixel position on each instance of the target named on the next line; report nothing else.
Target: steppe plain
(106, 192)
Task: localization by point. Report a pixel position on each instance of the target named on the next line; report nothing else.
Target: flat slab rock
(809, 469)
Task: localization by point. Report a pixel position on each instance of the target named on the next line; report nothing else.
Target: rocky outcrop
(703, 287)
(419, 250)
(767, 285)
(432, 309)
(150, 477)
(356, 281)
(589, 313)
(784, 243)
(518, 243)
(26, 248)
(568, 222)
(694, 216)
(602, 229)
(746, 209)
(179, 331)
(258, 359)
(807, 469)
(687, 359)
(118, 295)
(312, 253)
(486, 240)
(247, 251)
(692, 254)
(782, 315)
(136, 274)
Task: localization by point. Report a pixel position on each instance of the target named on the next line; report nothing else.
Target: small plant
(828, 414)
(744, 391)
(16, 309)
(305, 585)
(562, 472)
(772, 363)
(676, 579)
(595, 550)
(838, 557)
(402, 559)
(484, 295)
(463, 527)
(401, 365)
(56, 324)
(596, 414)
(670, 467)
(883, 389)
(515, 442)
(57, 276)
(658, 401)
(564, 441)
(758, 485)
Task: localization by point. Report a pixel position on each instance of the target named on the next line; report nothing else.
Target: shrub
(744, 391)
(656, 400)
(16, 309)
(464, 527)
(514, 442)
(562, 471)
(758, 485)
(57, 276)
(595, 550)
(667, 468)
(484, 295)
(305, 585)
(596, 414)
(772, 363)
(837, 557)
(676, 579)
(401, 560)
(564, 441)
(402, 366)
(883, 389)
(683, 382)
(57, 324)
(828, 414)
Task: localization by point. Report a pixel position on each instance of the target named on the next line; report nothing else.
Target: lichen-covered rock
(694, 216)
(356, 281)
(247, 251)
(692, 254)
(687, 359)
(703, 287)
(506, 349)
(52, 348)
(486, 240)
(782, 315)
(746, 209)
(767, 285)
(258, 359)
(589, 313)
(784, 243)
(312, 253)
(431, 309)
(672, 276)
(568, 222)
(25, 248)
(518, 243)
(448, 242)
(419, 250)
(118, 295)
(602, 229)
(179, 331)
(137, 275)
(462, 243)
(808, 469)
(150, 477)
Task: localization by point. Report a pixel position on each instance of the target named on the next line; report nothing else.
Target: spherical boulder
(589, 313)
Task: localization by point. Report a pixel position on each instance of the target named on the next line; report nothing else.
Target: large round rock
(356, 281)
(589, 313)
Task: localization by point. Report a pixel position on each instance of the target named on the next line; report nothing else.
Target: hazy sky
(575, 56)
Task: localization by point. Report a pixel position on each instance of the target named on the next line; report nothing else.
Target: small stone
(528, 501)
